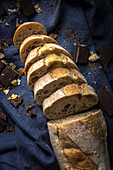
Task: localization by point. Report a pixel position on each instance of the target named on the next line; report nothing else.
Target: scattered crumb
(53, 35)
(93, 57)
(21, 71)
(8, 98)
(100, 67)
(2, 55)
(6, 91)
(7, 24)
(89, 73)
(18, 82)
(14, 82)
(14, 96)
(31, 114)
(29, 107)
(9, 129)
(3, 61)
(17, 23)
(12, 65)
(38, 9)
(13, 11)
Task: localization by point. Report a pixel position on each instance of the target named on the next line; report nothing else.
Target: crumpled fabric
(28, 146)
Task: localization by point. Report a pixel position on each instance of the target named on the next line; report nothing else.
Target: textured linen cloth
(28, 146)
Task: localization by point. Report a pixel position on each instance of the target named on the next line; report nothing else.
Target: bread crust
(76, 143)
(69, 100)
(27, 29)
(41, 52)
(32, 42)
(55, 80)
(41, 67)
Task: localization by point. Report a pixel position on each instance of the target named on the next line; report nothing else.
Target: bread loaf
(41, 67)
(32, 42)
(27, 29)
(69, 100)
(41, 52)
(79, 141)
(55, 80)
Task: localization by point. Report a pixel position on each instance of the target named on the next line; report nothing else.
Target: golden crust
(32, 42)
(27, 29)
(41, 52)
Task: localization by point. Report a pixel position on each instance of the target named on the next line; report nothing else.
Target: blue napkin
(28, 146)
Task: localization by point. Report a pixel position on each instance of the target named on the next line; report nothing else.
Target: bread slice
(80, 141)
(41, 52)
(32, 42)
(27, 29)
(41, 67)
(55, 80)
(69, 100)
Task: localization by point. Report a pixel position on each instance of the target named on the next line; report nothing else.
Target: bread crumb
(7, 24)
(53, 35)
(3, 61)
(6, 91)
(17, 23)
(8, 98)
(12, 10)
(14, 82)
(14, 96)
(100, 67)
(2, 55)
(21, 71)
(93, 57)
(89, 73)
(38, 9)
(12, 65)
(19, 82)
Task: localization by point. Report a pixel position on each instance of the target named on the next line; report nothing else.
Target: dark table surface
(28, 146)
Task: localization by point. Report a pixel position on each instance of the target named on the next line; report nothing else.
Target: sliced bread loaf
(41, 52)
(41, 67)
(55, 80)
(27, 29)
(32, 42)
(69, 100)
(80, 141)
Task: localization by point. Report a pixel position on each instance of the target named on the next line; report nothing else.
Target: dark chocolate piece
(27, 8)
(29, 107)
(16, 102)
(7, 76)
(31, 114)
(2, 11)
(2, 66)
(106, 100)
(81, 54)
(106, 54)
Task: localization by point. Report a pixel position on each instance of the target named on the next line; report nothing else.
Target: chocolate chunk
(7, 76)
(81, 54)
(27, 8)
(31, 114)
(29, 107)
(16, 102)
(2, 11)
(106, 100)
(106, 54)
(2, 66)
